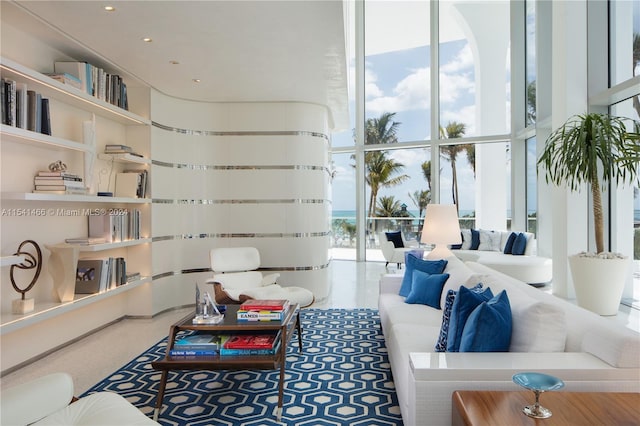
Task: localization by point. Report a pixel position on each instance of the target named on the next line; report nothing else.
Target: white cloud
(453, 86)
(466, 115)
(462, 61)
(410, 93)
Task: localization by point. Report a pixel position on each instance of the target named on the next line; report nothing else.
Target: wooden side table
(569, 408)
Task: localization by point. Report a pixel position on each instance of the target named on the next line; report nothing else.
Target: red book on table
(264, 305)
(251, 341)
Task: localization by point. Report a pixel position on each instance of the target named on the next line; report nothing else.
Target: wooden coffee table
(230, 362)
(569, 408)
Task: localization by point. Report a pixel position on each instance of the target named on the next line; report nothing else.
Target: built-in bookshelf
(27, 149)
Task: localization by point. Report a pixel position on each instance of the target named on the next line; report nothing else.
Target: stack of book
(98, 275)
(251, 344)
(263, 310)
(58, 183)
(116, 226)
(94, 81)
(22, 108)
(199, 344)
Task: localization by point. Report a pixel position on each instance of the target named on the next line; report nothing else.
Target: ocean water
(350, 215)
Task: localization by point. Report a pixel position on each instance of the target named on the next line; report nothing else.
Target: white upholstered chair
(49, 400)
(236, 279)
(393, 254)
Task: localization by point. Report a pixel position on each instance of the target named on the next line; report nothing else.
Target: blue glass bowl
(537, 381)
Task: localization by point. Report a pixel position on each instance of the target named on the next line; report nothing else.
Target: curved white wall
(238, 174)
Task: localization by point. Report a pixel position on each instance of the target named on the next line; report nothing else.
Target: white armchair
(48, 400)
(393, 254)
(236, 279)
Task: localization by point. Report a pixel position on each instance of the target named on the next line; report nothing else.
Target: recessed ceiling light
(109, 8)
(147, 39)
(174, 62)
(196, 80)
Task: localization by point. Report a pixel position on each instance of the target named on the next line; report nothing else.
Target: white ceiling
(242, 51)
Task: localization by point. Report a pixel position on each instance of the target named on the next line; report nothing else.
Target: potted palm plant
(594, 149)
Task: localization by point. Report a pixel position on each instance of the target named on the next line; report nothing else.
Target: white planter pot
(599, 282)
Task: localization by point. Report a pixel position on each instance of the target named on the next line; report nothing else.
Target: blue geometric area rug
(342, 377)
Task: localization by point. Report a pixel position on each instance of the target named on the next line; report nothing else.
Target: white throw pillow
(537, 327)
(466, 239)
(459, 274)
(489, 240)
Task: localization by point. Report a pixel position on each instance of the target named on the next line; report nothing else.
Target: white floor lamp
(441, 227)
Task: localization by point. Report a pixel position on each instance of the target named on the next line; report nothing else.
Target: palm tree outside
(381, 170)
(450, 153)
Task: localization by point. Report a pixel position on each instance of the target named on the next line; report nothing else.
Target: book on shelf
(21, 105)
(66, 78)
(9, 102)
(122, 225)
(56, 180)
(85, 241)
(264, 305)
(193, 352)
(91, 276)
(115, 148)
(127, 185)
(261, 315)
(64, 174)
(80, 70)
(201, 341)
(45, 117)
(131, 184)
(68, 191)
(252, 344)
(59, 186)
(263, 310)
(33, 110)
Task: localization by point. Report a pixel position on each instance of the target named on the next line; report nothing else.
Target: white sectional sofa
(550, 335)
(528, 267)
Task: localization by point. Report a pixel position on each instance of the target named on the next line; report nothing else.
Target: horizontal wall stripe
(267, 201)
(245, 167)
(242, 235)
(270, 269)
(240, 133)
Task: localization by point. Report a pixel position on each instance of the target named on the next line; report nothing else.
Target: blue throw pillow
(441, 344)
(475, 239)
(426, 289)
(457, 246)
(519, 245)
(395, 238)
(465, 303)
(508, 247)
(488, 328)
(413, 263)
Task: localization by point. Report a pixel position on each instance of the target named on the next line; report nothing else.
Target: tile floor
(89, 360)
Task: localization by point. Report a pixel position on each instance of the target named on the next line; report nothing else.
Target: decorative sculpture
(24, 305)
(57, 166)
(63, 264)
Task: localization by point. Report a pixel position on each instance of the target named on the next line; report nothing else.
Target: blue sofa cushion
(488, 328)
(395, 238)
(441, 344)
(426, 289)
(413, 263)
(508, 246)
(519, 245)
(475, 239)
(465, 303)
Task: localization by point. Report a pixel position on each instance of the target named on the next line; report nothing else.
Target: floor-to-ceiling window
(432, 116)
(624, 100)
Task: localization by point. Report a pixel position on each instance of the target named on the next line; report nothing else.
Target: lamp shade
(441, 225)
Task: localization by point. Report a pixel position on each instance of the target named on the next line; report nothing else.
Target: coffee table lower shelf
(230, 362)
